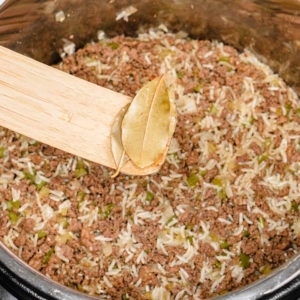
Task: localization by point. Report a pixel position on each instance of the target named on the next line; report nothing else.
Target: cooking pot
(40, 28)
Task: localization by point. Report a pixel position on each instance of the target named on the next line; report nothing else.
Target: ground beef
(28, 225)
(223, 200)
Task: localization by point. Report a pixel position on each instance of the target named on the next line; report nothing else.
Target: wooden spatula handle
(58, 109)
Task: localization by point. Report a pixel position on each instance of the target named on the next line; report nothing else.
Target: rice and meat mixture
(223, 210)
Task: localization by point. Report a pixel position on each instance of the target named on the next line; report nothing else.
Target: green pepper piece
(244, 260)
(124, 297)
(246, 233)
(144, 184)
(294, 206)
(106, 210)
(148, 296)
(149, 196)
(113, 45)
(262, 158)
(13, 217)
(80, 172)
(190, 226)
(65, 224)
(262, 221)
(169, 286)
(222, 194)
(16, 204)
(1, 152)
(217, 181)
(81, 195)
(213, 110)
(224, 245)
(170, 220)
(266, 270)
(267, 143)
(180, 74)
(192, 180)
(218, 264)
(198, 87)
(214, 237)
(252, 120)
(40, 185)
(30, 177)
(41, 234)
(288, 107)
(44, 192)
(203, 172)
(190, 239)
(81, 169)
(13, 205)
(48, 256)
(80, 164)
(9, 205)
(224, 59)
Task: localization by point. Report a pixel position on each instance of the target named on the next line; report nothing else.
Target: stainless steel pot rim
(257, 290)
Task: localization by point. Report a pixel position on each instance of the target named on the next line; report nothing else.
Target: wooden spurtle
(60, 110)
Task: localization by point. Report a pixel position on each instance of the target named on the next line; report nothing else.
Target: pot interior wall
(270, 28)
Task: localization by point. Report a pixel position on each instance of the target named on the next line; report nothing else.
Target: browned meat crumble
(223, 210)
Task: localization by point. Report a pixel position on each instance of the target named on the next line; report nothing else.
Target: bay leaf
(119, 154)
(149, 124)
(172, 126)
(173, 114)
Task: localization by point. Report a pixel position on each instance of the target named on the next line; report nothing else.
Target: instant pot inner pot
(39, 29)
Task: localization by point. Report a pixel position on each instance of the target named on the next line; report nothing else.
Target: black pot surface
(14, 288)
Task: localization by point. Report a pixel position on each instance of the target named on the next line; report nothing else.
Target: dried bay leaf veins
(146, 124)
(146, 127)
